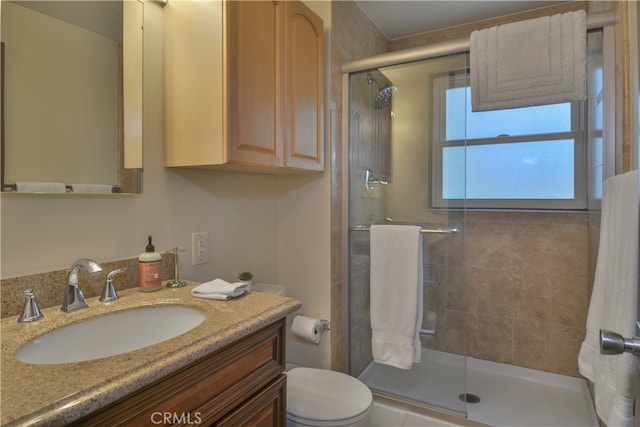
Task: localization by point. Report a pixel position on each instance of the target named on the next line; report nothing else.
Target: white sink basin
(110, 335)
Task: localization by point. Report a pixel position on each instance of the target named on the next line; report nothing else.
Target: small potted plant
(247, 277)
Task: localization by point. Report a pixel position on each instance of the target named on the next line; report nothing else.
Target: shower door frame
(604, 20)
(452, 404)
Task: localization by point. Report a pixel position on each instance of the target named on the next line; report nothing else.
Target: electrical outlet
(199, 248)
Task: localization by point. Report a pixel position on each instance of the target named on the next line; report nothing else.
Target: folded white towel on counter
(220, 290)
(41, 187)
(92, 188)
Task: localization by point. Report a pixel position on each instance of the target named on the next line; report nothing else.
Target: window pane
(453, 173)
(489, 124)
(527, 170)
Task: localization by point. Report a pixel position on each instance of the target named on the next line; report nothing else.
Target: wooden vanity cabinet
(243, 86)
(242, 384)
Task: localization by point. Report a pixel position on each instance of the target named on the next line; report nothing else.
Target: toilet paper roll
(306, 328)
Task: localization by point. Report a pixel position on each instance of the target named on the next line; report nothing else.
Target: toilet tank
(269, 289)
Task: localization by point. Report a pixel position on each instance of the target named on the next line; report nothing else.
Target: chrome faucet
(73, 296)
(109, 293)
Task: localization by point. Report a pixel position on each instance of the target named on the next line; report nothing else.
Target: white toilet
(320, 397)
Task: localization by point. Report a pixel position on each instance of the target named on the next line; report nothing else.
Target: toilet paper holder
(324, 325)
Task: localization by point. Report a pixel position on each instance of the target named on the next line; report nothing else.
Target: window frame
(439, 84)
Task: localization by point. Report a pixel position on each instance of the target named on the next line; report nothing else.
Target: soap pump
(150, 269)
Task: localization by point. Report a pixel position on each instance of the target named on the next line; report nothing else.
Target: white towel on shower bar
(613, 303)
(396, 294)
(532, 62)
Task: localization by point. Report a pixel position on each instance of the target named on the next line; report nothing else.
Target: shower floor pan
(509, 395)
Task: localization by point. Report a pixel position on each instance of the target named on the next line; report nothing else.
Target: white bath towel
(220, 290)
(396, 294)
(92, 188)
(41, 187)
(613, 303)
(533, 62)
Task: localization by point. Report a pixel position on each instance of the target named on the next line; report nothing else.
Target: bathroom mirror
(71, 96)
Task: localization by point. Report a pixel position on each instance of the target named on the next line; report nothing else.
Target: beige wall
(48, 232)
(303, 224)
(275, 226)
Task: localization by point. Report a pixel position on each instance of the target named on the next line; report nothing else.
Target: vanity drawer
(207, 390)
(266, 408)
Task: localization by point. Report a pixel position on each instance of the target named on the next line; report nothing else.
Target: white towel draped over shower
(613, 303)
(533, 62)
(396, 294)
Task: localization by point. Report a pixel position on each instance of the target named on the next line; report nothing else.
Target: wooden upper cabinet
(194, 83)
(303, 89)
(255, 82)
(243, 85)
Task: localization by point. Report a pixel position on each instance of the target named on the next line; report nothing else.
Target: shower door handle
(614, 343)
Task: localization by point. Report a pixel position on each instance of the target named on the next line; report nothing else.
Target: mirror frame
(129, 167)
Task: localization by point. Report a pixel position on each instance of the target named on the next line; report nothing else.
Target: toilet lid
(323, 396)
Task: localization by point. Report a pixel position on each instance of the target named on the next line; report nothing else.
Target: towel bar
(423, 231)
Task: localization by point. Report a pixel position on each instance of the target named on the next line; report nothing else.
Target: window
(521, 158)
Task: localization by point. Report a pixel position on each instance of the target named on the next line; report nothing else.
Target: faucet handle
(31, 312)
(73, 295)
(109, 292)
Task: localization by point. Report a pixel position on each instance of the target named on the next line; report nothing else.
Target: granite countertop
(58, 394)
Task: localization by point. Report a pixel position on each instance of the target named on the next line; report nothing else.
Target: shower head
(383, 98)
(385, 93)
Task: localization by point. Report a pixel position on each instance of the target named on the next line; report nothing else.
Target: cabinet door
(265, 409)
(303, 95)
(255, 80)
(209, 389)
(194, 89)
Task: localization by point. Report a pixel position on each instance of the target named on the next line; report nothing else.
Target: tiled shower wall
(353, 36)
(535, 320)
(521, 298)
(527, 288)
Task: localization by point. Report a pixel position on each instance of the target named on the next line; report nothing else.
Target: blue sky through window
(526, 170)
(489, 124)
(507, 170)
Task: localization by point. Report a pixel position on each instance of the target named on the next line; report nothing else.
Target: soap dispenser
(150, 269)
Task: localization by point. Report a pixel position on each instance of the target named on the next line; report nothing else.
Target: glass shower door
(394, 117)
